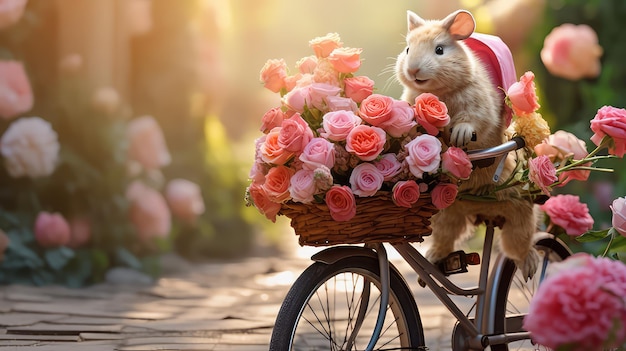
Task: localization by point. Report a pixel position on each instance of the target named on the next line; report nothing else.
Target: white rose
(30, 147)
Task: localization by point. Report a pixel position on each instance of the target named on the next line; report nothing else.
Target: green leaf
(128, 259)
(593, 236)
(619, 242)
(57, 258)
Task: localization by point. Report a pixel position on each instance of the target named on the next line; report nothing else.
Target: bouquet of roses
(333, 139)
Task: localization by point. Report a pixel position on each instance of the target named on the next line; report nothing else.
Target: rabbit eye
(439, 50)
(407, 49)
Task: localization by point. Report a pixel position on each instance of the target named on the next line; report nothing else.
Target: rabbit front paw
(461, 134)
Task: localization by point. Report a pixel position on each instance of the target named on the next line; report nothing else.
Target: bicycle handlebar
(482, 154)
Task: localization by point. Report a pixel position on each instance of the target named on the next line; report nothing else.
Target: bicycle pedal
(457, 262)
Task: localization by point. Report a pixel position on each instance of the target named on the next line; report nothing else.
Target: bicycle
(328, 306)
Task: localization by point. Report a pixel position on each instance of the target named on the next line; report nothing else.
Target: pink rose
(338, 124)
(561, 146)
(619, 215)
(307, 64)
(16, 96)
(523, 96)
(184, 199)
(319, 92)
(80, 232)
(366, 180)
(366, 142)
(296, 99)
(323, 46)
(277, 183)
(148, 211)
(569, 213)
(405, 193)
(147, 143)
(318, 152)
(610, 121)
(338, 103)
(10, 13)
(542, 172)
(424, 155)
(358, 88)
(572, 52)
(341, 203)
(302, 186)
(292, 81)
(456, 162)
(444, 194)
(346, 60)
(402, 119)
(51, 230)
(262, 202)
(271, 151)
(271, 119)
(431, 113)
(294, 134)
(376, 109)
(326, 73)
(388, 165)
(580, 307)
(273, 74)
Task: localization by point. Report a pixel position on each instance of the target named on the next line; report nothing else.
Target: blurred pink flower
(11, 11)
(567, 212)
(273, 75)
(71, 63)
(80, 231)
(580, 305)
(323, 46)
(185, 200)
(271, 119)
(618, 207)
(147, 143)
(106, 100)
(358, 88)
(572, 52)
(51, 230)
(16, 96)
(306, 65)
(30, 148)
(148, 211)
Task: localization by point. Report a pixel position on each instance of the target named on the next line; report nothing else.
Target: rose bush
(147, 144)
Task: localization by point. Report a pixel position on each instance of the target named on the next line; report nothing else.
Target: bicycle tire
(552, 250)
(308, 291)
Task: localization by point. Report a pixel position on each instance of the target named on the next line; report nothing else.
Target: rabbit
(437, 61)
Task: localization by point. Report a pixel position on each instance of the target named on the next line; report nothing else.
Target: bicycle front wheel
(514, 293)
(335, 306)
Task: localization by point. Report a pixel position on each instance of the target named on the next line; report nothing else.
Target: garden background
(155, 105)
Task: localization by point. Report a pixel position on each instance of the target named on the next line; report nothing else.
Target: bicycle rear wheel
(514, 294)
(335, 306)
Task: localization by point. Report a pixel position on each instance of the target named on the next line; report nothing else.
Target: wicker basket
(377, 219)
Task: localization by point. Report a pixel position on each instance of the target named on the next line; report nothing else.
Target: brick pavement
(219, 306)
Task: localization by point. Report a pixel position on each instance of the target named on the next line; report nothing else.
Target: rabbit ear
(460, 24)
(413, 20)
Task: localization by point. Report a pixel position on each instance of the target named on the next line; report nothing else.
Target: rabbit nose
(413, 72)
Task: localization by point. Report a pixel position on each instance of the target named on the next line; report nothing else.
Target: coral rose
(271, 119)
(456, 162)
(51, 230)
(572, 52)
(580, 306)
(376, 109)
(366, 180)
(388, 165)
(338, 124)
(306, 65)
(341, 203)
(443, 195)
(618, 208)
(148, 211)
(276, 184)
(16, 96)
(185, 200)
(542, 172)
(30, 148)
(323, 46)
(523, 95)
(302, 186)
(405, 193)
(610, 121)
(147, 143)
(424, 155)
(318, 152)
(358, 88)
(273, 74)
(11, 11)
(346, 60)
(561, 146)
(271, 151)
(262, 202)
(295, 134)
(567, 212)
(431, 113)
(366, 142)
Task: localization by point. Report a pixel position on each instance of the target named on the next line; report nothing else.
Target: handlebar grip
(519, 141)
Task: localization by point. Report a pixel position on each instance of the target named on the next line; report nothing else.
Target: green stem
(606, 251)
